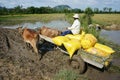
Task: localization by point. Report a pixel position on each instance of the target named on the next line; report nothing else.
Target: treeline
(47, 10)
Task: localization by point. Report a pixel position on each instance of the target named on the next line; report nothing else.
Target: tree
(110, 9)
(31, 10)
(104, 9)
(3, 11)
(96, 10)
(88, 14)
(76, 10)
(18, 9)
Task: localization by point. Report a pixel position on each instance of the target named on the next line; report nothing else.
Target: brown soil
(19, 62)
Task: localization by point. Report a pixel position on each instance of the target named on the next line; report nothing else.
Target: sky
(81, 4)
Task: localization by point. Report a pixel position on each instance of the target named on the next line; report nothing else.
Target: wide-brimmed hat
(76, 16)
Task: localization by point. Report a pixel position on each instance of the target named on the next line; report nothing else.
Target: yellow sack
(104, 48)
(83, 33)
(76, 36)
(88, 41)
(86, 44)
(70, 36)
(59, 40)
(92, 50)
(71, 46)
(97, 52)
(79, 36)
(91, 37)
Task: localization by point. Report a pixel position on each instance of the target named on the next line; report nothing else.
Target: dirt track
(19, 62)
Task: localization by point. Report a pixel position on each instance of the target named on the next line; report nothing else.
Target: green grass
(69, 75)
(103, 19)
(114, 69)
(106, 19)
(65, 75)
(17, 19)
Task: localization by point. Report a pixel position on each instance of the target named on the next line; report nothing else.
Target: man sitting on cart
(75, 28)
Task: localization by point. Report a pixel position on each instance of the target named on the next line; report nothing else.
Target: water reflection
(58, 24)
(111, 35)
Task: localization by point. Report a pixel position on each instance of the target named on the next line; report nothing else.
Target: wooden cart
(81, 58)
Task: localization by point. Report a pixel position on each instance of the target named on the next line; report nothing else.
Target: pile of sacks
(87, 42)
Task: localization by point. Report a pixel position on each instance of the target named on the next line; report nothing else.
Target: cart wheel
(77, 64)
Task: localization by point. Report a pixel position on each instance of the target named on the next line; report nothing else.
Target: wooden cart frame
(81, 58)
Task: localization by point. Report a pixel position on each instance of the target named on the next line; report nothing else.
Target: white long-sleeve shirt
(75, 28)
